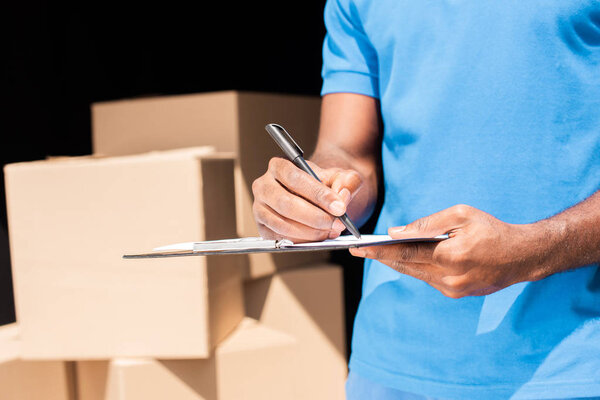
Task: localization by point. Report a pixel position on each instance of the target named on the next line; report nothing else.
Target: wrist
(333, 157)
(543, 243)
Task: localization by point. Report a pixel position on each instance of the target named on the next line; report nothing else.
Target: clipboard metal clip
(241, 243)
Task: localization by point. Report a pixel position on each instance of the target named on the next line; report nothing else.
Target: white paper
(257, 242)
(346, 240)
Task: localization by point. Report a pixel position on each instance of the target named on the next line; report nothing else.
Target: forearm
(568, 240)
(349, 138)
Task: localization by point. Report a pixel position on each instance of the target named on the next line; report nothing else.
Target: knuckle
(293, 174)
(257, 186)
(455, 284)
(420, 224)
(274, 163)
(353, 175)
(452, 295)
(462, 210)
(321, 195)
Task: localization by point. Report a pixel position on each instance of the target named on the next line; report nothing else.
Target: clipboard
(258, 245)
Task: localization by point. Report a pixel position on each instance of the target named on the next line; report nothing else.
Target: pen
(295, 154)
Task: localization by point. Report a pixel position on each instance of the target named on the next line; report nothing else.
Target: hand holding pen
(290, 203)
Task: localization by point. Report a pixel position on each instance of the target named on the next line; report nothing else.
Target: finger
(443, 290)
(298, 209)
(346, 183)
(339, 179)
(267, 233)
(468, 284)
(424, 272)
(299, 182)
(444, 221)
(321, 172)
(450, 286)
(402, 253)
(346, 180)
(346, 196)
(285, 228)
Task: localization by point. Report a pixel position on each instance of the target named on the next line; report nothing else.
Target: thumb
(423, 227)
(435, 224)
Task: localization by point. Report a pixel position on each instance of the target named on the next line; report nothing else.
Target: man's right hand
(291, 204)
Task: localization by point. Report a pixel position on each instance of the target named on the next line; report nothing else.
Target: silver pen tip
(354, 231)
(350, 226)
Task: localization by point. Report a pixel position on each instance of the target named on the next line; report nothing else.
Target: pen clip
(284, 141)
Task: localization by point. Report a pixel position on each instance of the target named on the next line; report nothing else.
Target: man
(491, 133)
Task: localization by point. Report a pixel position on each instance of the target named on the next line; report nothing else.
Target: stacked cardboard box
(70, 222)
(292, 347)
(231, 122)
(31, 380)
(307, 302)
(252, 363)
(172, 328)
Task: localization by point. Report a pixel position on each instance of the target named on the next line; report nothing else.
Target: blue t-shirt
(495, 105)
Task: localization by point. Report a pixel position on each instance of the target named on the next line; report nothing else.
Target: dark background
(58, 59)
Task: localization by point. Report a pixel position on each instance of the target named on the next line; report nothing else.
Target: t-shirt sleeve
(349, 59)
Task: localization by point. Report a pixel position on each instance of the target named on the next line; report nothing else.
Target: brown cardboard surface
(34, 380)
(9, 342)
(133, 126)
(307, 304)
(251, 363)
(229, 121)
(30, 380)
(70, 222)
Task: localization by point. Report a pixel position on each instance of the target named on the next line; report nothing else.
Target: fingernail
(337, 207)
(338, 225)
(396, 229)
(357, 252)
(346, 195)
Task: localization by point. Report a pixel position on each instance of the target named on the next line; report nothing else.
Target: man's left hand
(481, 256)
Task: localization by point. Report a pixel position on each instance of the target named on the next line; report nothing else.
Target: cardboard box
(9, 343)
(7, 303)
(307, 304)
(70, 222)
(229, 121)
(252, 363)
(31, 380)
